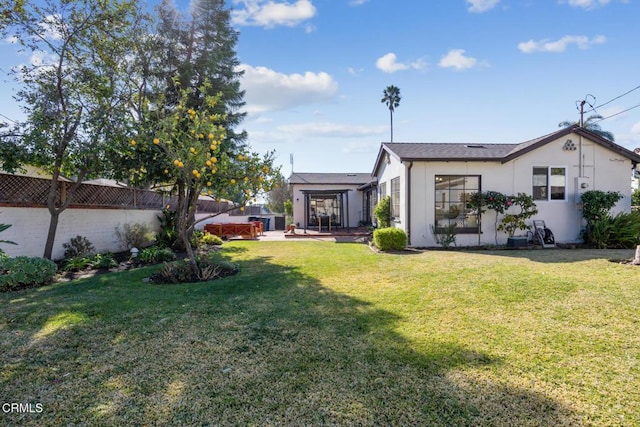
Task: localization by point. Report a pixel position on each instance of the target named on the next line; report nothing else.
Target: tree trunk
(51, 235)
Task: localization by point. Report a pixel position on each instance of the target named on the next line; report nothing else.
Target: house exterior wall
(355, 201)
(603, 169)
(394, 168)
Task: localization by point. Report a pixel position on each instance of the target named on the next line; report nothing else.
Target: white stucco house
(428, 182)
(331, 201)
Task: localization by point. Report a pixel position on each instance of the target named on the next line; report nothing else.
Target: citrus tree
(186, 144)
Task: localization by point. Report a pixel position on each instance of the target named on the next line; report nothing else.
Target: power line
(613, 99)
(616, 114)
(11, 120)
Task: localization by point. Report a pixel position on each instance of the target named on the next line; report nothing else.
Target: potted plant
(288, 213)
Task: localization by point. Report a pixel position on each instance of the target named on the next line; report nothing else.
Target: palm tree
(391, 97)
(591, 124)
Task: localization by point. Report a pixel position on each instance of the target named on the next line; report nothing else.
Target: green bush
(77, 263)
(168, 234)
(134, 235)
(635, 197)
(390, 239)
(181, 272)
(24, 272)
(596, 205)
(211, 239)
(155, 254)
(78, 247)
(382, 212)
(625, 231)
(105, 260)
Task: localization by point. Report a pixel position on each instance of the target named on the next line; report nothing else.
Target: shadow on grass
(270, 346)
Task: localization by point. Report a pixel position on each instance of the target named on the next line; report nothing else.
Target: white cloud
(480, 6)
(354, 71)
(546, 45)
(636, 129)
(456, 59)
(357, 2)
(389, 64)
(268, 90)
(270, 13)
(589, 4)
(331, 130)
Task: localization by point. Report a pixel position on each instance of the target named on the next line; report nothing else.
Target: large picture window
(451, 195)
(549, 183)
(395, 197)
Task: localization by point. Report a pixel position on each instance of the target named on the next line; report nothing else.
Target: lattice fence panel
(24, 190)
(151, 200)
(28, 191)
(99, 195)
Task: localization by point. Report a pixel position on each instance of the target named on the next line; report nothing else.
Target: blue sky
(468, 71)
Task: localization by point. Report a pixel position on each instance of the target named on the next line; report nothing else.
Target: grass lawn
(319, 333)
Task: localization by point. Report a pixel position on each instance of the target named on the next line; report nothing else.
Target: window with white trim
(383, 190)
(395, 197)
(452, 193)
(549, 183)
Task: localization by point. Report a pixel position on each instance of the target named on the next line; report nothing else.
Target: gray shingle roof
(451, 151)
(496, 152)
(330, 178)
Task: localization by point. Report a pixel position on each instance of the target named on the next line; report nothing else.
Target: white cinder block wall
(29, 227)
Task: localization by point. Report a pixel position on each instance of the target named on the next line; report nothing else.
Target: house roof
(488, 152)
(330, 178)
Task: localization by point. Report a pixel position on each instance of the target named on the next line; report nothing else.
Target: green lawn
(319, 333)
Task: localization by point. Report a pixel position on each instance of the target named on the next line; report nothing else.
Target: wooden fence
(26, 191)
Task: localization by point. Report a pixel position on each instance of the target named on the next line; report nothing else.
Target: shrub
(168, 234)
(445, 236)
(382, 212)
(390, 239)
(625, 231)
(104, 260)
(596, 205)
(635, 197)
(514, 222)
(134, 235)
(23, 272)
(155, 254)
(181, 272)
(78, 247)
(202, 238)
(211, 239)
(77, 263)
(621, 231)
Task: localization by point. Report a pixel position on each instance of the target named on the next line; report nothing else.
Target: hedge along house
(429, 183)
(332, 201)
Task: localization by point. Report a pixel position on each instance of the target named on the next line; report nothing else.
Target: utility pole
(580, 166)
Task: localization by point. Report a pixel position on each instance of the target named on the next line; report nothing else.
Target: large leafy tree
(391, 97)
(187, 144)
(75, 95)
(591, 124)
(279, 194)
(188, 107)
